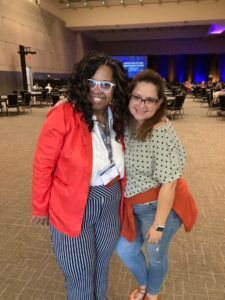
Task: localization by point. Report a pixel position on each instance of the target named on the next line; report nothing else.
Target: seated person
(36, 87)
(216, 96)
(202, 84)
(209, 84)
(218, 87)
(188, 86)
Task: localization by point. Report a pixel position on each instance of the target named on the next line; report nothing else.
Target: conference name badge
(109, 175)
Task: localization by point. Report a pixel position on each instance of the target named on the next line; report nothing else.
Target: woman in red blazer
(78, 168)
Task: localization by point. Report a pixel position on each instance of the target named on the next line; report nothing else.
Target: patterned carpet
(197, 260)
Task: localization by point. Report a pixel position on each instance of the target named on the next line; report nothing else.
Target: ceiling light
(216, 29)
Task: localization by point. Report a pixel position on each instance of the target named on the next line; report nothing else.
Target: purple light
(216, 29)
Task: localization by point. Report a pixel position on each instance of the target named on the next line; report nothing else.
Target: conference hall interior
(183, 40)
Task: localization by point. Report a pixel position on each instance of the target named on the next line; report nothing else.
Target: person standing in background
(49, 88)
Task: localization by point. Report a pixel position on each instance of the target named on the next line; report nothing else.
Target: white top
(100, 153)
(49, 88)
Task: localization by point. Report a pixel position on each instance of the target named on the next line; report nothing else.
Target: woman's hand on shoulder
(43, 220)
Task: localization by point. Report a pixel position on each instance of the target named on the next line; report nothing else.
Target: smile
(139, 111)
(97, 99)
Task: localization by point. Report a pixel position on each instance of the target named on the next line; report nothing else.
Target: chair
(26, 102)
(203, 96)
(55, 91)
(22, 94)
(222, 104)
(212, 106)
(43, 97)
(177, 106)
(176, 91)
(196, 92)
(12, 102)
(1, 108)
(183, 88)
(55, 98)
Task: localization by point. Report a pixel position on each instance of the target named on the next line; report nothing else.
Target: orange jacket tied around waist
(183, 205)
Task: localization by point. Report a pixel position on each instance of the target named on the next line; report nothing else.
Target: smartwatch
(159, 227)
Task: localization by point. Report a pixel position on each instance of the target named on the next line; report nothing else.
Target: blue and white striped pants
(84, 260)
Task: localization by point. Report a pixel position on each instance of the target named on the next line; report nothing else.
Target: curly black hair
(79, 90)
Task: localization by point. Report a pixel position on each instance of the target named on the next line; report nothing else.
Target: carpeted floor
(197, 260)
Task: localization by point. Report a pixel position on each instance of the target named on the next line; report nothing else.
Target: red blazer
(62, 170)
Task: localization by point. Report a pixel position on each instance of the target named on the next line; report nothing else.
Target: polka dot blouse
(160, 159)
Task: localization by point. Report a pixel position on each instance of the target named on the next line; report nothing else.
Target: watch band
(159, 227)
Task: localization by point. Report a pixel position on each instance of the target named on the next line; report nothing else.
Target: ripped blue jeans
(132, 256)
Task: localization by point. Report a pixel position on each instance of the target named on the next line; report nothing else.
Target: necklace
(101, 124)
(95, 119)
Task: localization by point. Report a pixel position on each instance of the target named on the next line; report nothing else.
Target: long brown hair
(145, 130)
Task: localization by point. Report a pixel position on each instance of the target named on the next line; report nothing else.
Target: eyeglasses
(105, 86)
(148, 101)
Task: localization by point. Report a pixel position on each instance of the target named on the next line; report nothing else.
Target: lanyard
(105, 135)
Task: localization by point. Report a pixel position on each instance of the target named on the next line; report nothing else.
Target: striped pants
(84, 260)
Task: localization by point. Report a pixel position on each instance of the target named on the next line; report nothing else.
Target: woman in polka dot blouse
(154, 160)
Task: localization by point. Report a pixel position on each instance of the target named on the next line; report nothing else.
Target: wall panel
(24, 23)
